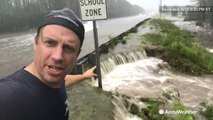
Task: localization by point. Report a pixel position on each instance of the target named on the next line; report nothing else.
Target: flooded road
(150, 77)
(16, 51)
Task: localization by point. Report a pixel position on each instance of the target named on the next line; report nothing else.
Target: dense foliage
(180, 48)
(21, 15)
(208, 110)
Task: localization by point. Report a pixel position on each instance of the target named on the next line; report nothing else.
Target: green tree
(204, 17)
(24, 15)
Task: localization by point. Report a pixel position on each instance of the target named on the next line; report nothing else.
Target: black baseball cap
(66, 18)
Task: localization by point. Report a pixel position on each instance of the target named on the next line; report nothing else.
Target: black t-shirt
(25, 97)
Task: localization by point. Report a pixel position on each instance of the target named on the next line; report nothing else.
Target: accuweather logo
(174, 112)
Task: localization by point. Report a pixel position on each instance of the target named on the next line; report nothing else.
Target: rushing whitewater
(114, 60)
(149, 77)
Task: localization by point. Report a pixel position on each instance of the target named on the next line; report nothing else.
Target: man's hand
(73, 79)
(90, 73)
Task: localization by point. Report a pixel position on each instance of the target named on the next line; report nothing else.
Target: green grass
(151, 112)
(180, 48)
(208, 112)
(133, 30)
(113, 42)
(178, 106)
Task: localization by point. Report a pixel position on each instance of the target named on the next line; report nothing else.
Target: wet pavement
(16, 49)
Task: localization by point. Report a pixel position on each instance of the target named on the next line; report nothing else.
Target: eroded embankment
(146, 87)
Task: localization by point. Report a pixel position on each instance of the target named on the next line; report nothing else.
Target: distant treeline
(202, 17)
(23, 15)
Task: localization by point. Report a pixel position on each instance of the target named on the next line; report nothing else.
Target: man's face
(56, 51)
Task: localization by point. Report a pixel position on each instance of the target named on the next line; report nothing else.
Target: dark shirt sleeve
(8, 100)
(24, 97)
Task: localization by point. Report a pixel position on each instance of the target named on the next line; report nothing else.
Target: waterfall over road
(149, 77)
(114, 60)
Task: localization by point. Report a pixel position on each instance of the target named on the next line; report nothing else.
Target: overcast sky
(154, 4)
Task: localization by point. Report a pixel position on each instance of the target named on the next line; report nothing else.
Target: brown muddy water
(150, 77)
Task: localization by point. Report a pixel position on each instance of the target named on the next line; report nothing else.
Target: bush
(179, 48)
(208, 111)
(133, 30)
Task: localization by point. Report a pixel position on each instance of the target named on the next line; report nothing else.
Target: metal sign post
(98, 67)
(160, 7)
(94, 10)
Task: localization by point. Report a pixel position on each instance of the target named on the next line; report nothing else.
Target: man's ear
(79, 52)
(35, 42)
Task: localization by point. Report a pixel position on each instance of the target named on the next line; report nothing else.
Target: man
(37, 92)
